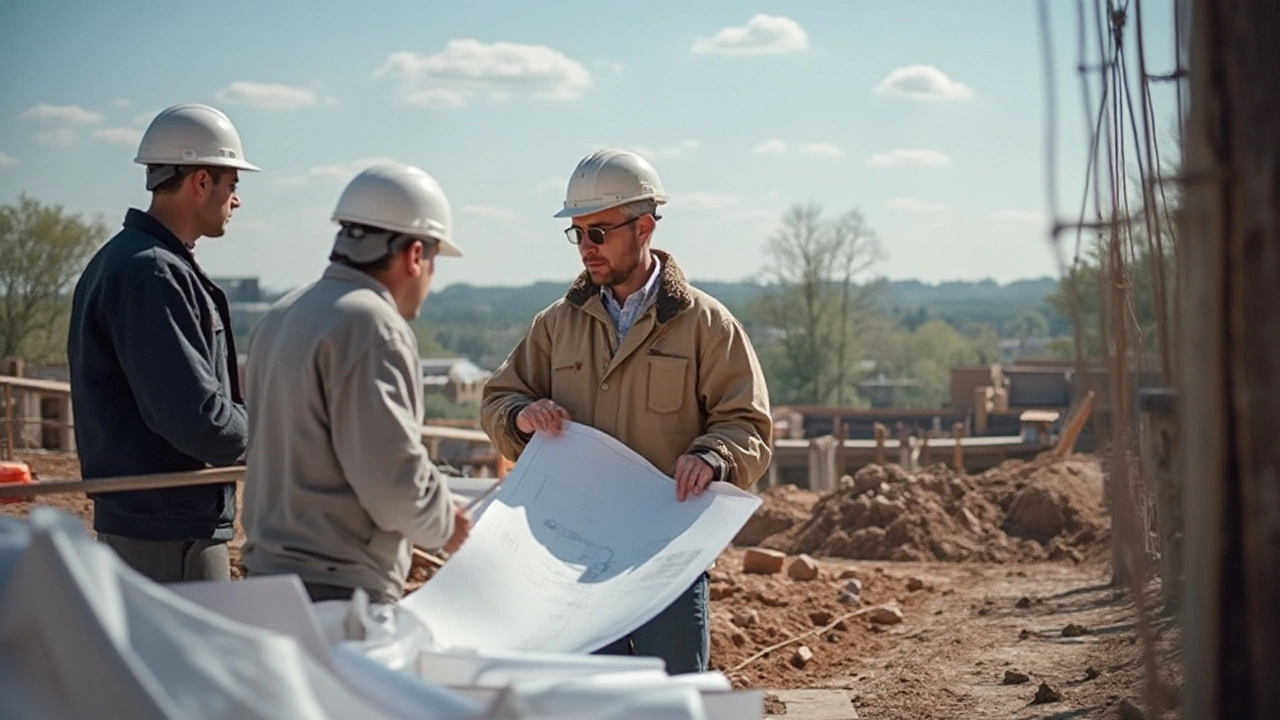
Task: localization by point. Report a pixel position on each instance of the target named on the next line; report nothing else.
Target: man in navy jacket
(154, 377)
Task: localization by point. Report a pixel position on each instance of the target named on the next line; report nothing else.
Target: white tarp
(584, 542)
(82, 635)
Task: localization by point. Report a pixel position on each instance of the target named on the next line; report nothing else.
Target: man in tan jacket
(635, 351)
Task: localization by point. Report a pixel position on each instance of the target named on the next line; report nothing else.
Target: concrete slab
(815, 705)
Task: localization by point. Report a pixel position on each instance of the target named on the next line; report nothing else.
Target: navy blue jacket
(154, 386)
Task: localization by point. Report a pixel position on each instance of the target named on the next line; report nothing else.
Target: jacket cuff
(512, 429)
(719, 467)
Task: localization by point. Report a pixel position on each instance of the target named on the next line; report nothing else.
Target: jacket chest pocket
(666, 383)
(567, 377)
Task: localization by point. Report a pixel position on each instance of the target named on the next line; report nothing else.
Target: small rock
(763, 561)
(854, 586)
(716, 576)
(820, 617)
(720, 592)
(1024, 634)
(803, 568)
(801, 657)
(833, 637)
(984, 610)
(848, 598)
(1129, 711)
(847, 573)
(914, 584)
(876, 628)
(1045, 694)
(746, 618)
(1013, 677)
(738, 639)
(1091, 674)
(886, 615)
(1074, 630)
(773, 706)
(1023, 603)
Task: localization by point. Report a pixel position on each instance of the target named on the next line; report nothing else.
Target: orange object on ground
(14, 472)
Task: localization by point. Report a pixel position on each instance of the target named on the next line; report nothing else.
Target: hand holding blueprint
(584, 542)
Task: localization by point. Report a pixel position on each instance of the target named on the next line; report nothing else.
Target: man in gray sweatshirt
(339, 485)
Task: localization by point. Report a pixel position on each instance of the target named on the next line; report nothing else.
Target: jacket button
(604, 386)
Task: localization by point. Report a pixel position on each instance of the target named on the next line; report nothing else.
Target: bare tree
(818, 301)
(42, 250)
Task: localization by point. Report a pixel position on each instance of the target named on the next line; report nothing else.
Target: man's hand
(693, 475)
(542, 415)
(461, 529)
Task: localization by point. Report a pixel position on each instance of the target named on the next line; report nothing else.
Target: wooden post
(882, 438)
(841, 431)
(957, 451)
(1159, 438)
(8, 421)
(926, 455)
(904, 448)
(981, 407)
(1228, 378)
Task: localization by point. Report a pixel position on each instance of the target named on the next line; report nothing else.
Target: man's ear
(645, 226)
(416, 258)
(201, 182)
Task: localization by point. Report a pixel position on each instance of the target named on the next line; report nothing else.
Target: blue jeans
(680, 634)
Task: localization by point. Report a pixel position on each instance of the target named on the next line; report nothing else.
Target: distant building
(458, 379)
(883, 392)
(246, 301)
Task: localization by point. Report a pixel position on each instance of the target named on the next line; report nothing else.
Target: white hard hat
(396, 197)
(192, 134)
(609, 178)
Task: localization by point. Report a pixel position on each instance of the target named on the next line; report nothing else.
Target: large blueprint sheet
(584, 542)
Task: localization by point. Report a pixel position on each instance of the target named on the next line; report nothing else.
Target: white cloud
(922, 82)
(467, 69)
(337, 173)
(266, 96)
(762, 35)
(331, 101)
(144, 119)
(673, 151)
(551, 184)
(492, 212)
(755, 215)
(58, 136)
(121, 102)
(821, 149)
(7, 160)
(770, 147)
(119, 135)
(611, 65)
(1017, 217)
(439, 98)
(706, 201)
(67, 114)
(909, 156)
(913, 205)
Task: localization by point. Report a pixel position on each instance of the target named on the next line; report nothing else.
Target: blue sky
(929, 116)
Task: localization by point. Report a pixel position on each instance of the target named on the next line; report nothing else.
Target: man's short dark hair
(182, 171)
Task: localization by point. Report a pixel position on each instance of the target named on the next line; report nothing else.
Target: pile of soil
(1019, 511)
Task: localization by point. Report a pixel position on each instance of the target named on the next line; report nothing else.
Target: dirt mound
(1017, 511)
(784, 507)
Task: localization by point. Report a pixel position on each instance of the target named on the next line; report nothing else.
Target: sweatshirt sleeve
(377, 436)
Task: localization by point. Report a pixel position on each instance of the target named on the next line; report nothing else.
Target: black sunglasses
(596, 234)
